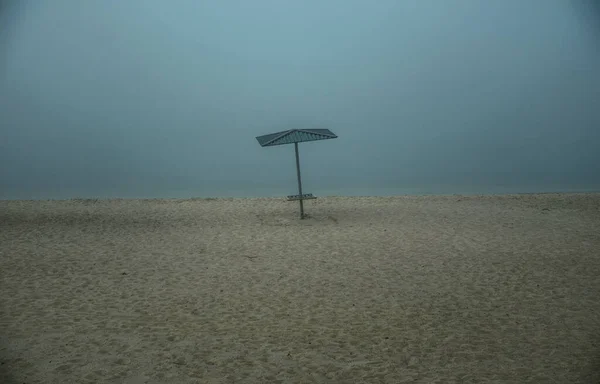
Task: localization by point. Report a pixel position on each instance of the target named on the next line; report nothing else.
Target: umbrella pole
(299, 181)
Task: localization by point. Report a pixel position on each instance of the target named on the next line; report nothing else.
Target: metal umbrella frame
(296, 136)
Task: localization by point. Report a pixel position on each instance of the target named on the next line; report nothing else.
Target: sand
(430, 289)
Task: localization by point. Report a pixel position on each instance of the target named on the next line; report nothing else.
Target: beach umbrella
(296, 136)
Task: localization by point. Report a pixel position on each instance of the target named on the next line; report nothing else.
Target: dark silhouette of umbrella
(296, 136)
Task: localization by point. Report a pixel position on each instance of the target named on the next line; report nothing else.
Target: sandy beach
(425, 289)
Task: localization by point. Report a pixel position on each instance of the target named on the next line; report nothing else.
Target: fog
(164, 99)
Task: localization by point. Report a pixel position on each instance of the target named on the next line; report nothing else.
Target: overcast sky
(148, 95)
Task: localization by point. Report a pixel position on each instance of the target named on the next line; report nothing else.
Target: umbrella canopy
(295, 136)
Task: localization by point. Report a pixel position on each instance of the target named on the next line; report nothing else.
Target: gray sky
(138, 96)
